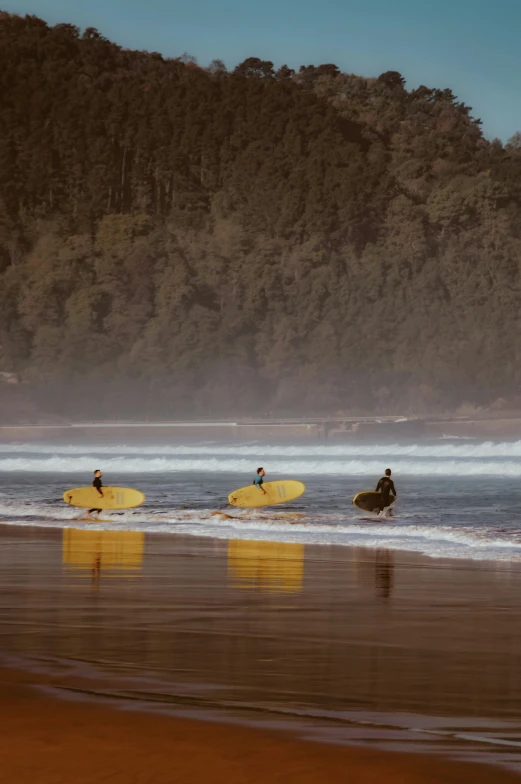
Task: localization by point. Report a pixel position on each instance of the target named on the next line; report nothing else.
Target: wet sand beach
(49, 742)
(133, 641)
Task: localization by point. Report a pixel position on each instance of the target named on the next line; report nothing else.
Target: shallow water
(456, 498)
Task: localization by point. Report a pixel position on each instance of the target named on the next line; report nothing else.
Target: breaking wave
(279, 465)
(439, 450)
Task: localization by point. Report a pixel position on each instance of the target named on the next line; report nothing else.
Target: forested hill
(177, 240)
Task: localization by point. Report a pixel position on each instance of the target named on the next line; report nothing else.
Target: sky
(471, 46)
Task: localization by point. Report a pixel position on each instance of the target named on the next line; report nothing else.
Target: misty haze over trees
(177, 240)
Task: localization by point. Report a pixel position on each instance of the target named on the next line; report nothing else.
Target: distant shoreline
(332, 429)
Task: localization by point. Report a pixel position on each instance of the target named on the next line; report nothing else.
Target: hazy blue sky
(471, 46)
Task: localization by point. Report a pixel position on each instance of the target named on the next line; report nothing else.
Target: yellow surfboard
(113, 498)
(276, 493)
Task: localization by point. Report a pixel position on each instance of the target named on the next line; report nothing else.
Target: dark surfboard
(370, 501)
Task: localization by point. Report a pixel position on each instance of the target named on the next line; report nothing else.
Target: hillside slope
(177, 240)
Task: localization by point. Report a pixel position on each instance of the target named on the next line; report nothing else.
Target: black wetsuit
(98, 484)
(386, 487)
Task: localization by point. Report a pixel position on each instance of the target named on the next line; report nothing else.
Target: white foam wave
(443, 450)
(431, 540)
(277, 467)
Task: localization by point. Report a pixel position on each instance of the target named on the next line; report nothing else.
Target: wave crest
(279, 466)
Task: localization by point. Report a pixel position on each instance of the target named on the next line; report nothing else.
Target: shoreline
(434, 560)
(73, 741)
(331, 430)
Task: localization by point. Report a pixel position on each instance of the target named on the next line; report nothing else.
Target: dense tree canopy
(177, 240)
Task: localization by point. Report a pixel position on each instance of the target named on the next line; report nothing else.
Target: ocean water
(456, 498)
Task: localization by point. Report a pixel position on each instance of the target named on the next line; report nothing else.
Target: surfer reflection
(383, 573)
(112, 552)
(96, 569)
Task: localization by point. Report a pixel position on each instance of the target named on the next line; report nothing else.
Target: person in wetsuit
(258, 481)
(386, 487)
(98, 484)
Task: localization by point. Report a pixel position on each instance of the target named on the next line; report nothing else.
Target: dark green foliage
(392, 79)
(177, 240)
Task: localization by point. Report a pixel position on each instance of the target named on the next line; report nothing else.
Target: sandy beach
(47, 741)
(279, 648)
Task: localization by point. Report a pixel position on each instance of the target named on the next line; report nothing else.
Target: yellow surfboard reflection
(116, 551)
(276, 567)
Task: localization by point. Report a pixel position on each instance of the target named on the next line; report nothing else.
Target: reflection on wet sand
(269, 566)
(384, 568)
(120, 551)
(374, 647)
(375, 567)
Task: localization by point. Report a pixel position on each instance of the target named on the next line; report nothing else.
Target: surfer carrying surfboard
(98, 484)
(386, 487)
(258, 481)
